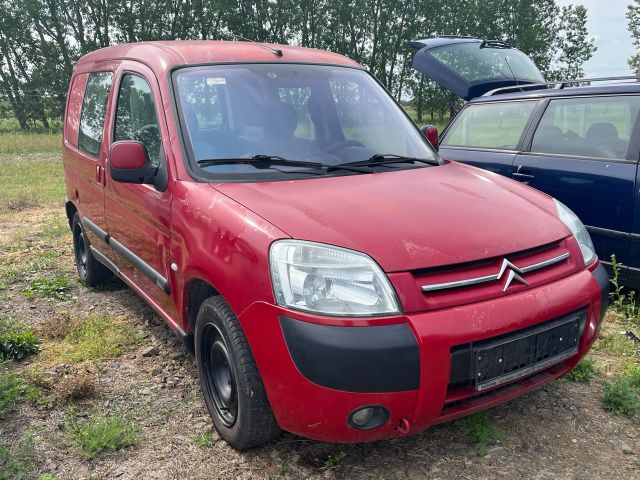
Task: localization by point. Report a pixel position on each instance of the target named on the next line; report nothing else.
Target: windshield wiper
(385, 159)
(261, 161)
(268, 161)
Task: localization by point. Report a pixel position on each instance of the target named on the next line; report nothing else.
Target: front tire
(231, 384)
(90, 271)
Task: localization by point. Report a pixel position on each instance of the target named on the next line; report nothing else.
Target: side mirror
(431, 132)
(129, 163)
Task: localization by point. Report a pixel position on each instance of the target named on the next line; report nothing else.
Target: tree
(574, 44)
(40, 40)
(633, 16)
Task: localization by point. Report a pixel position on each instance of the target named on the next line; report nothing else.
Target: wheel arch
(70, 210)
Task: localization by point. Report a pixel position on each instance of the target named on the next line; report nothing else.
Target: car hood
(409, 219)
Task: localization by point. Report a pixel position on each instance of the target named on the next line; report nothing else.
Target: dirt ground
(558, 432)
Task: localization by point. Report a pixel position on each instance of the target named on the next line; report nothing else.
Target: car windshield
(304, 113)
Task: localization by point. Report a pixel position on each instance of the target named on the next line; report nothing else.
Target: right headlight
(579, 231)
(329, 280)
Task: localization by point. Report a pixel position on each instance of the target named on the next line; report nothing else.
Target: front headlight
(579, 231)
(329, 280)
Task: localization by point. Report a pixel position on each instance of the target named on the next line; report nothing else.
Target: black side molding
(146, 269)
(96, 230)
(601, 276)
(354, 359)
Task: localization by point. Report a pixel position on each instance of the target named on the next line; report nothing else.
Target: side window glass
(92, 116)
(136, 117)
(589, 127)
(493, 125)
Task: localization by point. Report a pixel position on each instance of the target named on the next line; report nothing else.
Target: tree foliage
(40, 40)
(633, 17)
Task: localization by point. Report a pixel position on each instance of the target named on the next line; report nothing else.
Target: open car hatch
(470, 67)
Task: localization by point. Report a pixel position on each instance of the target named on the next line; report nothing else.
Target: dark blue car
(576, 141)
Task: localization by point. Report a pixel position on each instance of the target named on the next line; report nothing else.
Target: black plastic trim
(601, 276)
(103, 259)
(354, 359)
(140, 264)
(128, 255)
(95, 229)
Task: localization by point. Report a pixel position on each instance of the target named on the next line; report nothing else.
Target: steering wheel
(343, 144)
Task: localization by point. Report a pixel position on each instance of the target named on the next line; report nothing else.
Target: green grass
(98, 434)
(583, 372)
(56, 287)
(11, 125)
(90, 338)
(335, 461)
(621, 397)
(20, 142)
(624, 303)
(30, 181)
(205, 440)
(480, 430)
(13, 391)
(16, 460)
(632, 373)
(17, 341)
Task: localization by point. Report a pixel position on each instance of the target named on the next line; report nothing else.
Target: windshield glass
(312, 113)
(488, 63)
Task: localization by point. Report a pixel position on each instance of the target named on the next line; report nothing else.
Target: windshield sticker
(216, 81)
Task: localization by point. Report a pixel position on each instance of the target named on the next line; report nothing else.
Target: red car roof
(165, 55)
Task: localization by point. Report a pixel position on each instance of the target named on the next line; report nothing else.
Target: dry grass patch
(76, 386)
(90, 338)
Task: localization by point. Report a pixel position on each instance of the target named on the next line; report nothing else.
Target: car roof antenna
(275, 51)
(511, 70)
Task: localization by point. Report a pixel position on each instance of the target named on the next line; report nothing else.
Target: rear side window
(136, 117)
(93, 108)
(589, 127)
(492, 125)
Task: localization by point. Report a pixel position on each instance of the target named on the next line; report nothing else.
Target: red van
(333, 275)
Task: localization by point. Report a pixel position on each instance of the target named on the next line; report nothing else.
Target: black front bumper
(354, 359)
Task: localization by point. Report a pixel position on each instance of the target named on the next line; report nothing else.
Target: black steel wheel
(219, 376)
(231, 385)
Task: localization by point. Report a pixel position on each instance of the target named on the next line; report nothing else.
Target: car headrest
(603, 131)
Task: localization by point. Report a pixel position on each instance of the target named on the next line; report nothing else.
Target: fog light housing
(368, 417)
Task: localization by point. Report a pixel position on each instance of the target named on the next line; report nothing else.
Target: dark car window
(593, 127)
(136, 117)
(490, 125)
(93, 108)
(475, 63)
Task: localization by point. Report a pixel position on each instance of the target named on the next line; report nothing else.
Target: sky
(607, 24)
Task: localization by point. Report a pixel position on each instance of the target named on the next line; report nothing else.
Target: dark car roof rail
(560, 84)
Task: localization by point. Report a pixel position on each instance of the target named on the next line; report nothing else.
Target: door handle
(100, 176)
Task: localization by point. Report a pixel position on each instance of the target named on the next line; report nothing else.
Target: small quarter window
(93, 108)
(136, 117)
(589, 127)
(491, 125)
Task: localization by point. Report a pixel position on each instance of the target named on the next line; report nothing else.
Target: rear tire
(90, 271)
(231, 384)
